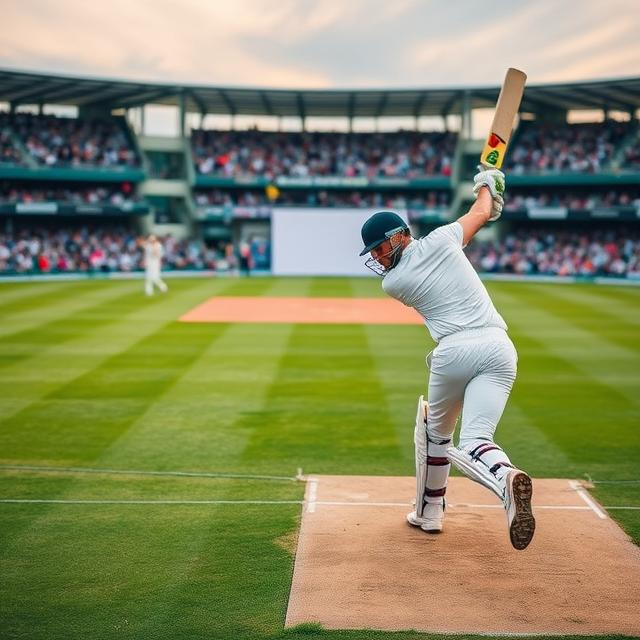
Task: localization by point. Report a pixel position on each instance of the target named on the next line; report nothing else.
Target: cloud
(323, 43)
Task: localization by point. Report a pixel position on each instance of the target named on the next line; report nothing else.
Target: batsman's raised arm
(489, 189)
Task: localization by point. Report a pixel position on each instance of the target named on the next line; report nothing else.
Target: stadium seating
(587, 200)
(325, 198)
(14, 193)
(556, 148)
(258, 153)
(553, 251)
(100, 248)
(70, 142)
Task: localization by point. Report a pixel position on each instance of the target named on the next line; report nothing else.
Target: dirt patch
(288, 542)
(360, 565)
(303, 311)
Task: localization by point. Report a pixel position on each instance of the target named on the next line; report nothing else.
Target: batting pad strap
(475, 470)
(498, 465)
(435, 493)
(479, 451)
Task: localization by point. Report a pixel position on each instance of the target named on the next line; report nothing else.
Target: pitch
(97, 379)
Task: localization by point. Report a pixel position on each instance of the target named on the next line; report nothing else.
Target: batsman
(471, 370)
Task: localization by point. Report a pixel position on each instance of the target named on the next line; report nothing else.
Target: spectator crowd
(574, 200)
(600, 251)
(555, 148)
(11, 192)
(52, 141)
(325, 198)
(554, 252)
(405, 154)
(115, 249)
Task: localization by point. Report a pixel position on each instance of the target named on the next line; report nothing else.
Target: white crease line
(175, 502)
(451, 505)
(138, 472)
(579, 489)
(312, 495)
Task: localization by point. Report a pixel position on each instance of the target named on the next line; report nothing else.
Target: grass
(95, 375)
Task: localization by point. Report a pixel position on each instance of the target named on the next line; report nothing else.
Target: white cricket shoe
(431, 520)
(517, 501)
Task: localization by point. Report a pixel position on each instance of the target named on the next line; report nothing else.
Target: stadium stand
(545, 250)
(9, 154)
(324, 198)
(21, 193)
(52, 141)
(557, 148)
(92, 179)
(571, 199)
(102, 248)
(258, 153)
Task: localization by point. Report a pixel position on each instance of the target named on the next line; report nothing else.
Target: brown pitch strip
(360, 565)
(303, 311)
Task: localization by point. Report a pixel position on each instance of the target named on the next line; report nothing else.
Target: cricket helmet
(380, 227)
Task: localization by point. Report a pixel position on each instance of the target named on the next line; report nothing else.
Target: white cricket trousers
(472, 372)
(152, 278)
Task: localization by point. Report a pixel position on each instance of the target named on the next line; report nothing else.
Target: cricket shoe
(517, 501)
(431, 519)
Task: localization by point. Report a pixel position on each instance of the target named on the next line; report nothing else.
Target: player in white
(472, 368)
(153, 253)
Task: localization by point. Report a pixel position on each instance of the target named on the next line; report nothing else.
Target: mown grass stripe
(584, 311)
(620, 310)
(199, 412)
(55, 365)
(67, 303)
(77, 323)
(78, 420)
(326, 410)
(139, 472)
(39, 295)
(10, 293)
(556, 405)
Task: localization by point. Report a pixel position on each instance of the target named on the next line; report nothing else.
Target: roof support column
(466, 116)
(182, 113)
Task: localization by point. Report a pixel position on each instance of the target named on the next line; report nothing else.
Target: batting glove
(496, 208)
(494, 180)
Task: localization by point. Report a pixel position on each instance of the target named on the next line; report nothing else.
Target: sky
(324, 43)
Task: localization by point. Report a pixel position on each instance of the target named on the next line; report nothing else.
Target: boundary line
(137, 472)
(311, 503)
(580, 490)
(169, 502)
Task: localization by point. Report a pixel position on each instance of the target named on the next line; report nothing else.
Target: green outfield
(96, 376)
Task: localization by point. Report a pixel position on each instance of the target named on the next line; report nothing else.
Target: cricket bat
(502, 125)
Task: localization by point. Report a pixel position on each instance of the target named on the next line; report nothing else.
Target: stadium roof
(24, 87)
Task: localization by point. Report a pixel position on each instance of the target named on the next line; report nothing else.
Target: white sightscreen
(322, 242)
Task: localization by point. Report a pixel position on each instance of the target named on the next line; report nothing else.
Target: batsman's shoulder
(447, 233)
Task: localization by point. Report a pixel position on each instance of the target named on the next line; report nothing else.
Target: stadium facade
(226, 186)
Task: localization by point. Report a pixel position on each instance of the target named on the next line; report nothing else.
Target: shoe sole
(419, 525)
(523, 525)
(431, 531)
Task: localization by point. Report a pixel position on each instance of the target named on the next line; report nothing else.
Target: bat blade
(506, 109)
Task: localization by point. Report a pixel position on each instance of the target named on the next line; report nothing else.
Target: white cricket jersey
(153, 253)
(435, 278)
